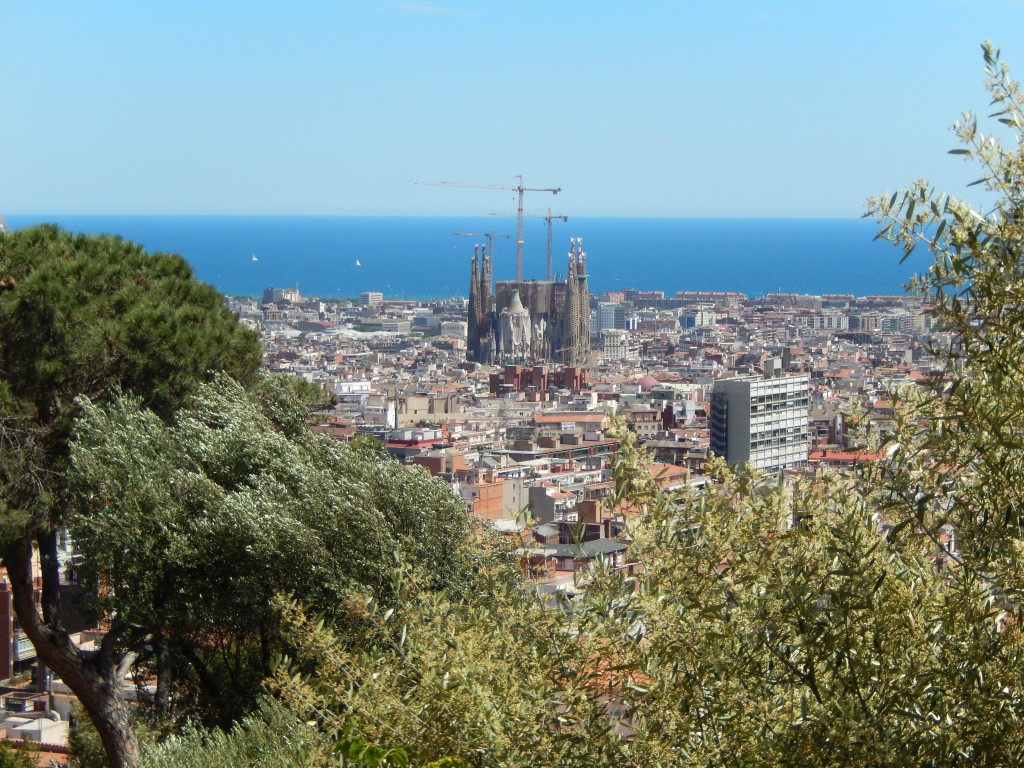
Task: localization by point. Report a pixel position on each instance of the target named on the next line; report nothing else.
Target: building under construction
(529, 320)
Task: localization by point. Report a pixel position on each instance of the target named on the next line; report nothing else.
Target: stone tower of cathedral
(529, 320)
(480, 320)
(575, 319)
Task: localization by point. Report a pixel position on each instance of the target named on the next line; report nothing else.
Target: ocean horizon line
(428, 257)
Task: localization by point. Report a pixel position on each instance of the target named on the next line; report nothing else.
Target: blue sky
(657, 108)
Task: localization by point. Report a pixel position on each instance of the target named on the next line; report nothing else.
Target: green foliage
(21, 756)
(287, 401)
(965, 470)
(356, 751)
(369, 444)
(492, 679)
(269, 738)
(746, 640)
(817, 625)
(84, 743)
(82, 319)
(449, 762)
(85, 316)
(821, 643)
(192, 527)
(87, 312)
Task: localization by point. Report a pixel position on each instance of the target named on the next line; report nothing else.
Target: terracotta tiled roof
(844, 456)
(590, 417)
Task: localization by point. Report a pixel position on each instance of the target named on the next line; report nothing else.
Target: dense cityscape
(774, 381)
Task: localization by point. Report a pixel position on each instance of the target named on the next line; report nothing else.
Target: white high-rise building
(761, 420)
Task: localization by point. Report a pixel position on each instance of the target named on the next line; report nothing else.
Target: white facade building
(618, 345)
(761, 420)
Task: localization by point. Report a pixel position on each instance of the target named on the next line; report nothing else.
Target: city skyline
(668, 109)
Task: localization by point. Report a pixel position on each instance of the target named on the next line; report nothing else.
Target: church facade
(529, 320)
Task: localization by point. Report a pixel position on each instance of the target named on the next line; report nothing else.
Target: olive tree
(193, 527)
(965, 468)
(871, 619)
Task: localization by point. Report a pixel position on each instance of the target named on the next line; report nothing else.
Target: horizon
(429, 256)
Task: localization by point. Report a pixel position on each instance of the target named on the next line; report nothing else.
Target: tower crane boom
(520, 189)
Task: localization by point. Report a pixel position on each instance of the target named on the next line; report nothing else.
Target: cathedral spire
(473, 314)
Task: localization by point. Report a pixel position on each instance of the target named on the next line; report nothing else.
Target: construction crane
(490, 238)
(549, 217)
(520, 189)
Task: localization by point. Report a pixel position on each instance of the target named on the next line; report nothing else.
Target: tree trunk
(92, 676)
(162, 700)
(49, 570)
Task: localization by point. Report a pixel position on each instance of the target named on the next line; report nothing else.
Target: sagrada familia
(529, 320)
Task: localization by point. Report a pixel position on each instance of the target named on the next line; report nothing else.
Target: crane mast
(490, 238)
(518, 188)
(548, 217)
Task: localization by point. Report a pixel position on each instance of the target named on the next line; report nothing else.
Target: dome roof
(647, 383)
(515, 305)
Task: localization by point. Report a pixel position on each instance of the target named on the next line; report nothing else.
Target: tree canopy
(89, 317)
(192, 527)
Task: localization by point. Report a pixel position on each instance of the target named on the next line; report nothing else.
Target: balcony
(23, 648)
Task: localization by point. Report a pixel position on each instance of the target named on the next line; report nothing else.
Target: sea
(407, 257)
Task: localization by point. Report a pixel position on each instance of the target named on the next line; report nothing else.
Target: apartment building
(761, 420)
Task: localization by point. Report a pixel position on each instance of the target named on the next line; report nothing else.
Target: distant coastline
(407, 257)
